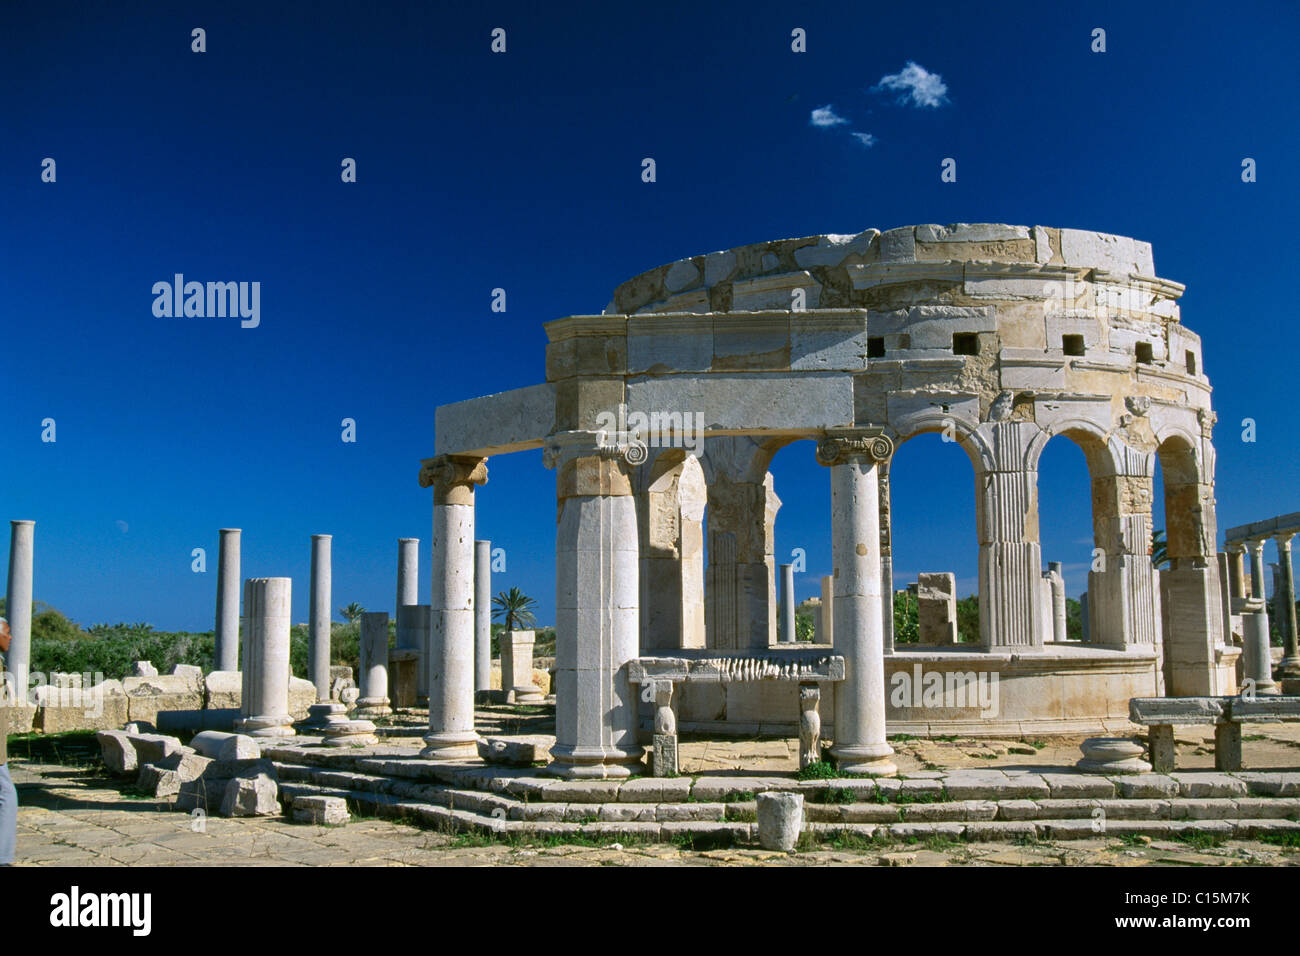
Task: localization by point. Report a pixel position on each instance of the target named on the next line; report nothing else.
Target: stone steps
(467, 809)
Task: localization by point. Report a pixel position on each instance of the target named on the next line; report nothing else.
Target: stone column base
(594, 763)
(872, 760)
(319, 715)
(530, 694)
(450, 746)
(266, 726)
(1112, 755)
(349, 733)
(370, 707)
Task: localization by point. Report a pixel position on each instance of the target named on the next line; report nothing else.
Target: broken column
(482, 616)
(18, 604)
(406, 659)
(787, 604)
(319, 616)
(450, 665)
(226, 652)
(1256, 637)
(264, 705)
(852, 455)
(374, 701)
(1057, 583)
(936, 604)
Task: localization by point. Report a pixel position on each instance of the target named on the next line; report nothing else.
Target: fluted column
(1010, 559)
(787, 604)
(226, 655)
(18, 604)
(597, 622)
(450, 665)
(853, 455)
(264, 706)
(483, 617)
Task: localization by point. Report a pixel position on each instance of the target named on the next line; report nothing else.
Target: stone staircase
(974, 805)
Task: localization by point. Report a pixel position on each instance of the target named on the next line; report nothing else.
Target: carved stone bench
(1161, 714)
(657, 676)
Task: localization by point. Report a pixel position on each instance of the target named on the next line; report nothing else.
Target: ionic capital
(840, 445)
(586, 463)
(453, 478)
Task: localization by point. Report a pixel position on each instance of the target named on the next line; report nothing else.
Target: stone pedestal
(936, 608)
(264, 703)
(450, 665)
(374, 700)
(1110, 755)
(226, 655)
(788, 634)
(403, 666)
(664, 758)
(413, 624)
(342, 732)
(517, 668)
(1227, 746)
(780, 817)
(810, 724)
(320, 613)
(320, 715)
(852, 455)
(18, 604)
(482, 617)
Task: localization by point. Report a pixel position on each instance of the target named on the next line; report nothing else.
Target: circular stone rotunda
(660, 418)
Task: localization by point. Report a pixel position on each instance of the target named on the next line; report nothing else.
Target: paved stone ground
(74, 816)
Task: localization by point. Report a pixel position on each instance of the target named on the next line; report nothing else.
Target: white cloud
(826, 116)
(122, 526)
(919, 86)
(866, 139)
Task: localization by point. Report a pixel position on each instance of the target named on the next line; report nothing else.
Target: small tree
(1159, 550)
(352, 612)
(514, 609)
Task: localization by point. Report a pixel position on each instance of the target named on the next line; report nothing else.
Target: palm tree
(1159, 550)
(352, 612)
(514, 609)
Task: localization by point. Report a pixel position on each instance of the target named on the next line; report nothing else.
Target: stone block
(151, 748)
(158, 781)
(223, 690)
(521, 751)
(780, 820)
(255, 795)
(117, 752)
(223, 746)
(143, 669)
(327, 811)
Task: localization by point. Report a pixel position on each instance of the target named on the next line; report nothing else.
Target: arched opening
(1073, 469)
(801, 534)
(933, 535)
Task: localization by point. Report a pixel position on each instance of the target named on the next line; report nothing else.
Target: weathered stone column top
(585, 463)
(453, 478)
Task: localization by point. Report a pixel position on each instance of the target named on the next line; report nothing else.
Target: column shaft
(483, 617)
(18, 604)
(226, 655)
(1291, 659)
(319, 615)
(787, 604)
(265, 702)
(408, 572)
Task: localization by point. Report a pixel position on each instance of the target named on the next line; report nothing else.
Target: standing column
(1010, 560)
(1236, 570)
(226, 654)
(597, 619)
(1059, 630)
(826, 620)
(853, 454)
(319, 615)
(408, 572)
(1259, 657)
(450, 663)
(374, 701)
(787, 604)
(1291, 660)
(483, 617)
(264, 706)
(886, 558)
(18, 604)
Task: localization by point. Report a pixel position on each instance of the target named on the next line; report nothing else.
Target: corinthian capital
(843, 444)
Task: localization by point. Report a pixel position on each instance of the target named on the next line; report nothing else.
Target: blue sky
(522, 171)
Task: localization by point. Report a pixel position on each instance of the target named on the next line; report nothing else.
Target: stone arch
(1189, 530)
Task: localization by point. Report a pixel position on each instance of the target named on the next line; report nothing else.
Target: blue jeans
(8, 816)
